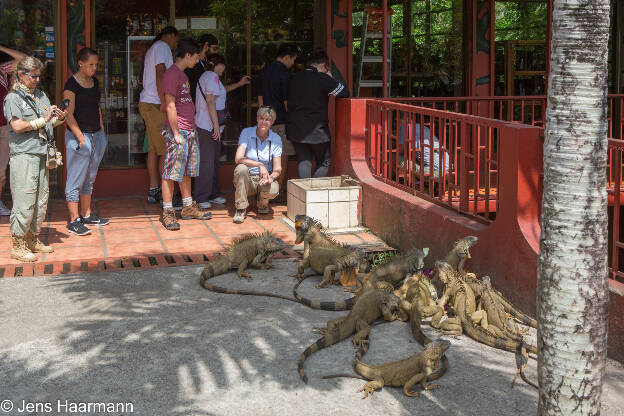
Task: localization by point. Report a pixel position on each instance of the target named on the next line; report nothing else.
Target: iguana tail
(342, 305)
(365, 370)
(323, 342)
(510, 308)
(219, 289)
(415, 319)
(481, 335)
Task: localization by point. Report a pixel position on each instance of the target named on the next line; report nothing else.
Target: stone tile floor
(135, 238)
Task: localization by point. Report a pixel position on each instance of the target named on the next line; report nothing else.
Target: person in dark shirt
(274, 81)
(85, 142)
(209, 46)
(307, 122)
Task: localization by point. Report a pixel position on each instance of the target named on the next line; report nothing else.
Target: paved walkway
(156, 339)
(135, 238)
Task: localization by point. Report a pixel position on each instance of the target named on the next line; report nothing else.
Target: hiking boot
(239, 217)
(264, 210)
(20, 250)
(93, 219)
(35, 245)
(77, 227)
(154, 196)
(169, 220)
(263, 207)
(194, 211)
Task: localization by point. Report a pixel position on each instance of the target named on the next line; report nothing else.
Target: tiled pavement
(135, 238)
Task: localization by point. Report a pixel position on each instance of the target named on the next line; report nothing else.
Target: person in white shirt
(210, 112)
(151, 105)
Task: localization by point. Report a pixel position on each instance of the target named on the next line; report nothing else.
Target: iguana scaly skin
(395, 270)
(251, 250)
(311, 233)
(407, 372)
(496, 320)
(478, 288)
(330, 260)
(370, 306)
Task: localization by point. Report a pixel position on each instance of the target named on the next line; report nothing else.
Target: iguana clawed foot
(245, 275)
(367, 389)
(360, 342)
(431, 387)
(297, 275)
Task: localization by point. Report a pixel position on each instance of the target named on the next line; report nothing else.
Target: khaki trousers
(246, 184)
(30, 190)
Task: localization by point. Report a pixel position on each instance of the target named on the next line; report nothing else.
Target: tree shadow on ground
(157, 339)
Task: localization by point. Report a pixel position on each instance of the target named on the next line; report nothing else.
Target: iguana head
(303, 223)
(486, 281)
(272, 244)
(462, 246)
(417, 259)
(435, 350)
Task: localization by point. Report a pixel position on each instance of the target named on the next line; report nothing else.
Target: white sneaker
(4, 210)
(218, 200)
(205, 205)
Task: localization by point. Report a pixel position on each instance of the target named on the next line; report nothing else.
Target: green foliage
(381, 258)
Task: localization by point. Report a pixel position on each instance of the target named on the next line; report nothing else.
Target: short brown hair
(215, 59)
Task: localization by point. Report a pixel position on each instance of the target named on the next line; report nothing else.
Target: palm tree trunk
(573, 292)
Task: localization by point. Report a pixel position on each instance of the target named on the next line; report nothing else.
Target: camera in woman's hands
(64, 104)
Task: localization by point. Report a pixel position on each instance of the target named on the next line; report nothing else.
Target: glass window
(28, 26)
(121, 48)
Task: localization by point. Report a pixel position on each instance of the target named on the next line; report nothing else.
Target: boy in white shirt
(151, 105)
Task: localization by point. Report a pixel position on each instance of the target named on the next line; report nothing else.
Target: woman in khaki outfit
(31, 118)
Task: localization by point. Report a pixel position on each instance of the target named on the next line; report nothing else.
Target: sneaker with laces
(195, 212)
(218, 200)
(93, 219)
(154, 196)
(169, 220)
(205, 205)
(239, 216)
(77, 227)
(4, 210)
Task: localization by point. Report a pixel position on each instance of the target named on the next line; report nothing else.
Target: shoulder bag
(223, 116)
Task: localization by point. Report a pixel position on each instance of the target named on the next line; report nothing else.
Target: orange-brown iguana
(395, 270)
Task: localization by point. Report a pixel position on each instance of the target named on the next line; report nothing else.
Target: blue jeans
(83, 163)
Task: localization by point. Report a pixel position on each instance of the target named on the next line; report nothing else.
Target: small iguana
(370, 306)
(251, 250)
(328, 261)
(395, 270)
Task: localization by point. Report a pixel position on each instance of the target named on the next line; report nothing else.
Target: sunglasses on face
(32, 76)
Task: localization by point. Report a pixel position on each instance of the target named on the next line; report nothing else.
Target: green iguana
(496, 320)
(312, 234)
(406, 372)
(478, 288)
(251, 250)
(370, 306)
(395, 270)
(456, 258)
(463, 304)
(330, 260)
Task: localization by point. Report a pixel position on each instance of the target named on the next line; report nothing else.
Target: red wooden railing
(448, 158)
(465, 150)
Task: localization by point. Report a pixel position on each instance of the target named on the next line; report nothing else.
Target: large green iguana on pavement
(395, 270)
(370, 306)
(406, 372)
(330, 260)
(456, 258)
(251, 250)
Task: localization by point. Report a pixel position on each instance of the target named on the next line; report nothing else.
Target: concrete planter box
(335, 201)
